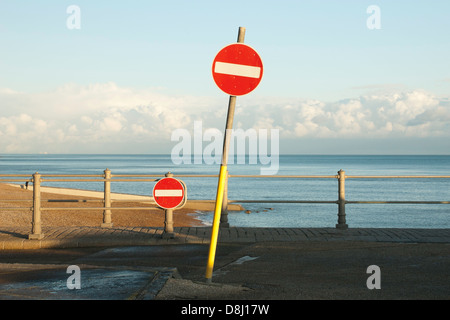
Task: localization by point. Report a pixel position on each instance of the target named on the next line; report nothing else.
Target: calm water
(279, 215)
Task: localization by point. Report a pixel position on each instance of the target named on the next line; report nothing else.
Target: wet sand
(21, 217)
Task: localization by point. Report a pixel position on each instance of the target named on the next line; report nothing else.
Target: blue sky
(134, 63)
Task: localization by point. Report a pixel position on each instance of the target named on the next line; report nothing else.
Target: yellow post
(224, 214)
(222, 179)
(216, 223)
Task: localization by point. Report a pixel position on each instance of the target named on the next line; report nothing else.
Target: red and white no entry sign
(237, 69)
(169, 193)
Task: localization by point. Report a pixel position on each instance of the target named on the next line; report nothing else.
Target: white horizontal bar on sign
(168, 193)
(237, 69)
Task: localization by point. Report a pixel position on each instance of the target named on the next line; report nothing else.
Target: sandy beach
(65, 217)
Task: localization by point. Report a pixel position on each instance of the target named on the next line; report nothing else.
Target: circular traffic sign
(237, 69)
(169, 193)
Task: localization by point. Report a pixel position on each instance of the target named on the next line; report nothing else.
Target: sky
(340, 77)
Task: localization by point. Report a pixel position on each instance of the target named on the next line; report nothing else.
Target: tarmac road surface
(243, 271)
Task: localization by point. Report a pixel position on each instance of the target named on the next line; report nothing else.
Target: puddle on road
(96, 284)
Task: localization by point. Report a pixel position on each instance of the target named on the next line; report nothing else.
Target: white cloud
(76, 118)
(416, 113)
(112, 123)
(94, 114)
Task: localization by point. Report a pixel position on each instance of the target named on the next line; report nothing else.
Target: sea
(268, 188)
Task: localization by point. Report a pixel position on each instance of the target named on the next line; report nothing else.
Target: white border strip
(168, 193)
(237, 69)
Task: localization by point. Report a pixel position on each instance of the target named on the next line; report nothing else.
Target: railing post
(341, 201)
(107, 200)
(224, 214)
(36, 228)
(168, 219)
